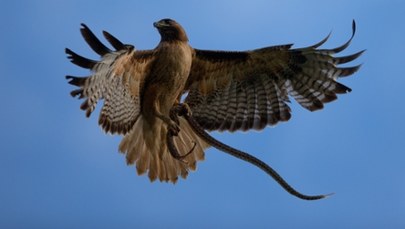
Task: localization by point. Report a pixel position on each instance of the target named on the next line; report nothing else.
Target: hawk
(225, 91)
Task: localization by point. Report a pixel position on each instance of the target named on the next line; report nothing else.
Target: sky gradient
(59, 170)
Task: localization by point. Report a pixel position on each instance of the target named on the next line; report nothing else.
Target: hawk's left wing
(249, 90)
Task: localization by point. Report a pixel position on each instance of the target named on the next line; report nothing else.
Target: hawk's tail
(146, 146)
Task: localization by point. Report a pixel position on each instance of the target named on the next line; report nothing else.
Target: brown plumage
(226, 91)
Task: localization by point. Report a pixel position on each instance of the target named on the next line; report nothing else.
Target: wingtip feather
(117, 44)
(93, 41)
(79, 60)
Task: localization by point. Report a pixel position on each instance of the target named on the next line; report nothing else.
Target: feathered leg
(174, 116)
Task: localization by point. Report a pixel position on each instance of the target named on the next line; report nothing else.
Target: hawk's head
(170, 30)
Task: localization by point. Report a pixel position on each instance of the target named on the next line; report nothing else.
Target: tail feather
(142, 163)
(130, 141)
(146, 147)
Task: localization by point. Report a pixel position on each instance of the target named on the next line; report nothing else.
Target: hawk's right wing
(117, 78)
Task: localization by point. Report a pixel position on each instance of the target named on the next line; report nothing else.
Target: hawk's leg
(180, 109)
(172, 125)
(172, 132)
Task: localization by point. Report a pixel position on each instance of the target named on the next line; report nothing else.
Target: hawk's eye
(167, 21)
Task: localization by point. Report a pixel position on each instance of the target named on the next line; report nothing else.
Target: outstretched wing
(117, 78)
(250, 90)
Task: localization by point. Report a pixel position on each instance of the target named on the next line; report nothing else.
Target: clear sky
(59, 170)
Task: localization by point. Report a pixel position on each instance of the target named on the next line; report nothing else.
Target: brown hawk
(227, 91)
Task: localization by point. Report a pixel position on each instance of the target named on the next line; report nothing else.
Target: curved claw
(173, 149)
(174, 129)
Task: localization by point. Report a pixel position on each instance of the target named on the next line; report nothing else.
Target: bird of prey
(225, 91)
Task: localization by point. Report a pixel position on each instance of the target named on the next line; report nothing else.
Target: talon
(173, 150)
(173, 128)
(173, 115)
(184, 110)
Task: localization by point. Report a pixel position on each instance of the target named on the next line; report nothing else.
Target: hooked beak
(158, 24)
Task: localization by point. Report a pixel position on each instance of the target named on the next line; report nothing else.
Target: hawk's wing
(244, 90)
(117, 78)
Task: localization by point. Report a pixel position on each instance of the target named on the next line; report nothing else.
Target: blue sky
(59, 170)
